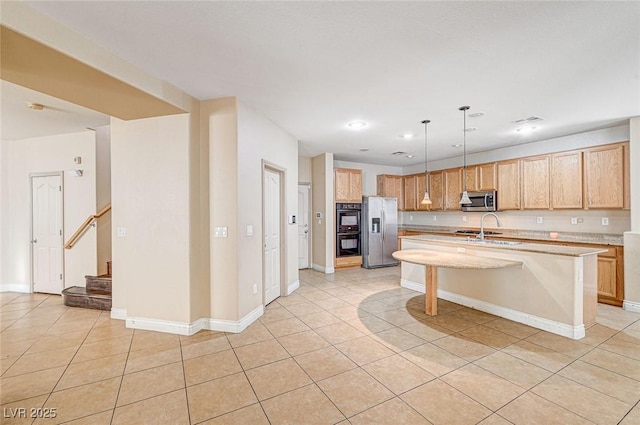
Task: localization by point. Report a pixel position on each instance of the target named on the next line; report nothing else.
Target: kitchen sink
(492, 242)
(476, 232)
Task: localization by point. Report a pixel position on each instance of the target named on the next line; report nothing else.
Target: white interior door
(303, 226)
(46, 231)
(272, 220)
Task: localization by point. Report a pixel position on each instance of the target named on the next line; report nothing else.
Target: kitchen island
(554, 290)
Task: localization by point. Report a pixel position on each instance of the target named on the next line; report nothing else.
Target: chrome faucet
(481, 234)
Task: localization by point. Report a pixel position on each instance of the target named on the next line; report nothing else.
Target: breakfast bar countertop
(571, 251)
(534, 235)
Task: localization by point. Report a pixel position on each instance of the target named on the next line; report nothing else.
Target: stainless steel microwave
(482, 201)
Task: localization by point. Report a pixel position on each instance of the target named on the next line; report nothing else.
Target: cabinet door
(535, 183)
(392, 187)
(453, 188)
(487, 176)
(509, 185)
(409, 193)
(607, 285)
(421, 186)
(355, 186)
(341, 185)
(604, 177)
(566, 180)
(471, 177)
(436, 191)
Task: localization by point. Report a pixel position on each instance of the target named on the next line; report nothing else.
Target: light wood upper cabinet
(436, 190)
(471, 177)
(421, 185)
(566, 180)
(452, 189)
(535, 182)
(509, 185)
(487, 176)
(391, 186)
(604, 175)
(348, 185)
(410, 190)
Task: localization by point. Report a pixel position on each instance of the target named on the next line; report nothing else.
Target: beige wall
(259, 139)
(219, 129)
(103, 196)
(632, 238)
(150, 198)
(20, 158)
(322, 201)
(304, 169)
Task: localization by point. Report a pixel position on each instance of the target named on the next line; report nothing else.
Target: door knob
(306, 231)
(34, 241)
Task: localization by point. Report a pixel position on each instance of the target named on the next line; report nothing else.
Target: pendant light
(426, 200)
(464, 199)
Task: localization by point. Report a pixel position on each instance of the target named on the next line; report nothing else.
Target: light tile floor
(349, 348)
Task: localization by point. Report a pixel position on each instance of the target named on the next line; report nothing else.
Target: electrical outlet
(255, 288)
(435, 218)
(574, 220)
(460, 249)
(464, 218)
(122, 232)
(605, 221)
(410, 218)
(221, 232)
(539, 220)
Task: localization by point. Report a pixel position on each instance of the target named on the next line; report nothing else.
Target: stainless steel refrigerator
(379, 231)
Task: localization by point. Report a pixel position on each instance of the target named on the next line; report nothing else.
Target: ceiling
(312, 67)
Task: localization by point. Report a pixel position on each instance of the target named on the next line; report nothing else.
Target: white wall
(369, 173)
(150, 199)
(20, 158)
(259, 139)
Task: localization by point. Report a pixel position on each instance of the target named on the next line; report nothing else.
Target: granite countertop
(566, 250)
(452, 260)
(534, 235)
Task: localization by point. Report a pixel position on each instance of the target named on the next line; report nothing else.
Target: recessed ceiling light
(526, 129)
(476, 115)
(357, 125)
(407, 136)
(36, 106)
(470, 129)
(457, 145)
(364, 149)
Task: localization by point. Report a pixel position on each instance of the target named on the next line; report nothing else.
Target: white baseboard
(119, 313)
(323, 269)
(163, 325)
(631, 306)
(24, 288)
(292, 287)
(235, 326)
(181, 328)
(573, 332)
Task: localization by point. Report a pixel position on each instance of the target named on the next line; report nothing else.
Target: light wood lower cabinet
(348, 262)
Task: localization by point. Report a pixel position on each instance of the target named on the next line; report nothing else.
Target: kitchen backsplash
(588, 221)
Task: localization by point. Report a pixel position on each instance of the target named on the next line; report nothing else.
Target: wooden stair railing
(83, 226)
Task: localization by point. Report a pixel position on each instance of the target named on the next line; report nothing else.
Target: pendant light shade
(426, 200)
(464, 199)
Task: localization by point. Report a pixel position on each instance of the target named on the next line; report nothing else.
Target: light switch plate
(249, 230)
(539, 220)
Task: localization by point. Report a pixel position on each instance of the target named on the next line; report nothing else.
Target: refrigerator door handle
(382, 223)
